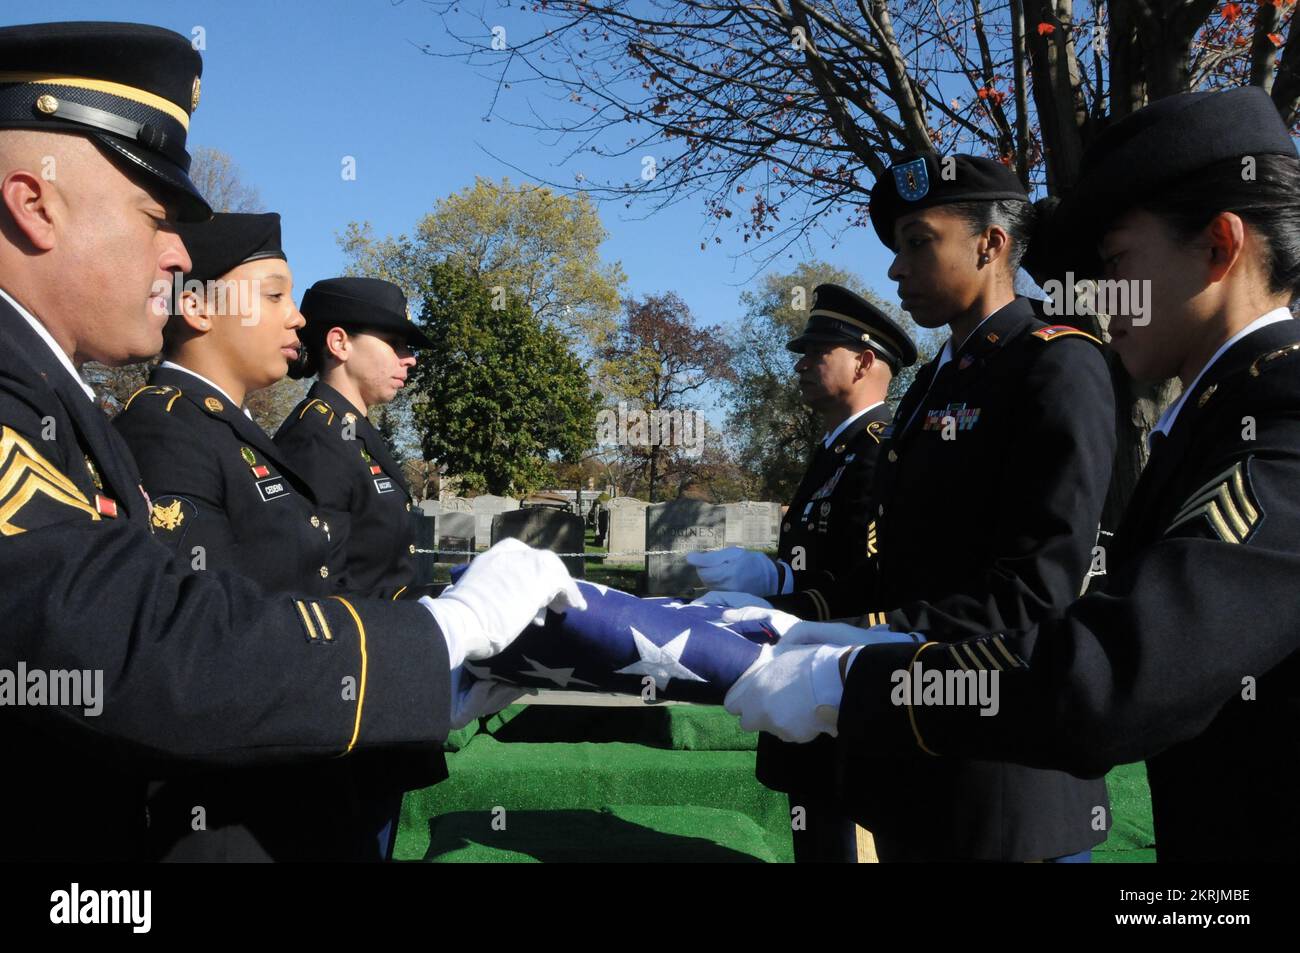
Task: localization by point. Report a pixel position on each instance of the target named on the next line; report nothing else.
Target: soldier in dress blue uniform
(988, 498)
(200, 668)
(1187, 652)
(849, 352)
(359, 342)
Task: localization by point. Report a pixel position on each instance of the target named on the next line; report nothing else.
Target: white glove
(474, 698)
(780, 692)
(735, 600)
(739, 570)
(503, 591)
(795, 631)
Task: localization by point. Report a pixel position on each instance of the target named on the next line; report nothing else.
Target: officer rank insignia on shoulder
(1227, 503)
(1057, 331)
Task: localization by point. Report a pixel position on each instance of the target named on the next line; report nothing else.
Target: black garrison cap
(1151, 149)
(928, 180)
(228, 240)
(364, 304)
(838, 316)
(130, 88)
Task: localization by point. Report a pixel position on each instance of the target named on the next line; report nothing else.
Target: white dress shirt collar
(53, 344)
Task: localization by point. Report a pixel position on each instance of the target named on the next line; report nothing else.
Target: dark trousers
(828, 837)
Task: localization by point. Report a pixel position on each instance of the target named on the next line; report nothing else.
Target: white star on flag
(662, 662)
(560, 676)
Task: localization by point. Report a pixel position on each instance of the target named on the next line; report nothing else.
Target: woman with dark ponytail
(989, 493)
(1187, 652)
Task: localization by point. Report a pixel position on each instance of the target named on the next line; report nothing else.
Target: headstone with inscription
(682, 526)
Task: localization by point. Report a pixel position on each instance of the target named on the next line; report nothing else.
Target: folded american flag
(620, 640)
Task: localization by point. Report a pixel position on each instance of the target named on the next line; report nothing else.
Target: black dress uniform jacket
(825, 529)
(1186, 653)
(360, 487)
(219, 483)
(200, 668)
(989, 494)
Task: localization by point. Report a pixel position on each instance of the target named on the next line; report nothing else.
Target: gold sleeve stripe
(952, 650)
(975, 659)
(324, 624)
(1239, 484)
(911, 713)
(142, 96)
(306, 620)
(1011, 659)
(988, 655)
(361, 692)
(819, 605)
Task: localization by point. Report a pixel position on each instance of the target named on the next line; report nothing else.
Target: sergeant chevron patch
(1228, 504)
(24, 475)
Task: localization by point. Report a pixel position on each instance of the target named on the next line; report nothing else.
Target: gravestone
(431, 507)
(683, 526)
(626, 529)
(484, 508)
(545, 528)
(753, 525)
(454, 504)
(455, 533)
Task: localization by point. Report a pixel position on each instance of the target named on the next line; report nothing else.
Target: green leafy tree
(532, 242)
(502, 394)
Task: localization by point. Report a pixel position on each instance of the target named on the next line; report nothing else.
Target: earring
(984, 259)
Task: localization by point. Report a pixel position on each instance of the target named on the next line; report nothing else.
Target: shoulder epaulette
(1063, 331)
(155, 390)
(1269, 361)
(320, 407)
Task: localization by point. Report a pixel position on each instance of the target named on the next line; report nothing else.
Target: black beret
(364, 304)
(838, 316)
(927, 180)
(228, 240)
(129, 87)
(1153, 148)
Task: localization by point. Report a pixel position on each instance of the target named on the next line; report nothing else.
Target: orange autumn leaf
(1231, 11)
(1046, 29)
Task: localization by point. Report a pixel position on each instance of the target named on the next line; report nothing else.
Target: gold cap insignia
(249, 457)
(168, 517)
(47, 104)
(194, 94)
(213, 405)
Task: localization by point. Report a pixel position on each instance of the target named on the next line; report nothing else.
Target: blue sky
(290, 88)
